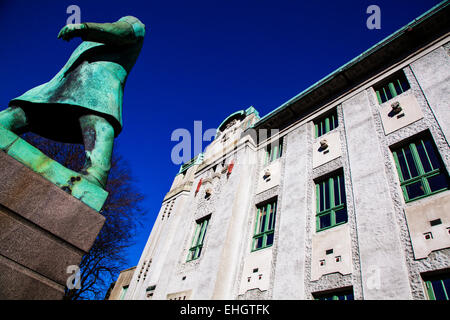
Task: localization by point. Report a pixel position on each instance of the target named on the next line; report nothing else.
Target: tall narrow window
(274, 151)
(264, 225)
(438, 286)
(326, 124)
(331, 204)
(124, 292)
(391, 87)
(150, 291)
(420, 169)
(199, 237)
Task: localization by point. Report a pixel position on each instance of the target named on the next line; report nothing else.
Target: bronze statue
(83, 102)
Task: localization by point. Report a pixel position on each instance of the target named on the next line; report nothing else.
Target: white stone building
(341, 193)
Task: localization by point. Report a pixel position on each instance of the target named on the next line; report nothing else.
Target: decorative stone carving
(323, 144)
(232, 123)
(396, 108)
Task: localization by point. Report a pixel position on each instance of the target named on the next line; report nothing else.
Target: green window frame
(264, 225)
(331, 208)
(274, 151)
(326, 124)
(420, 169)
(438, 287)
(392, 87)
(337, 295)
(198, 239)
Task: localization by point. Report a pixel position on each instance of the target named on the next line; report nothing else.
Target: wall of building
(122, 284)
(380, 252)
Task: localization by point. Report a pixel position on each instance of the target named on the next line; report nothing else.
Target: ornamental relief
(209, 188)
(232, 123)
(208, 194)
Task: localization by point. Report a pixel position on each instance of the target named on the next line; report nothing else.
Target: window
(264, 225)
(326, 124)
(438, 286)
(273, 151)
(124, 292)
(199, 236)
(331, 205)
(392, 87)
(150, 291)
(420, 169)
(346, 294)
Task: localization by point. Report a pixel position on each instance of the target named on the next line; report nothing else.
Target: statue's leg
(98, 138)
(13, 119)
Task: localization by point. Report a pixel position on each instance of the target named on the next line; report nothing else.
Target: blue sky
(201, 61)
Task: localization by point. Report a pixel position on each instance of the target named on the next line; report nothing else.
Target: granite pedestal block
(43, 230)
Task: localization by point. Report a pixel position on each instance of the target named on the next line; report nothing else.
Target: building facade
(340, 193)
(118, 289)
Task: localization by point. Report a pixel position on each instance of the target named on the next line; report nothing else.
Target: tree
(123, 213)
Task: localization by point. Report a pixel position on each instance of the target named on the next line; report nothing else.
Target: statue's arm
(125, 31)
(109, 33)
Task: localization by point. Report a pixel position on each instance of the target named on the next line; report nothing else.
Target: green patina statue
(83, 102)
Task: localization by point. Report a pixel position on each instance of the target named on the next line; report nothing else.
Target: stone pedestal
(43, 230)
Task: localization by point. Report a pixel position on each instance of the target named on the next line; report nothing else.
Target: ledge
(70, 181)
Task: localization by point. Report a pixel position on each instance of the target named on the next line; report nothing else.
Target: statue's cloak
(91, 82)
